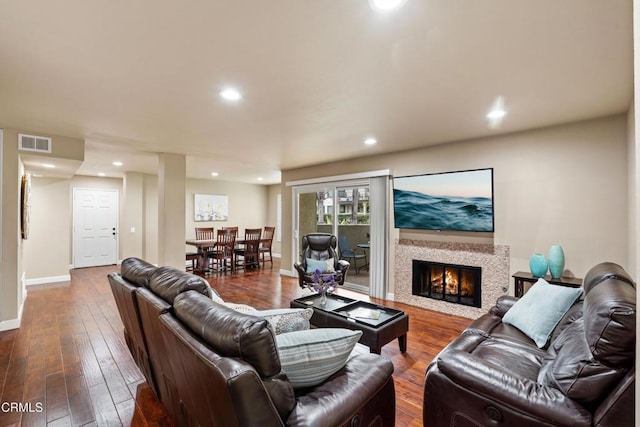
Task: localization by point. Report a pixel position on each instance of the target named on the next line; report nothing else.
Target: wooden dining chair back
(266, 243)
(205, 233)
(222, 255)
(202, 233)
(250, 249)
(233, 229)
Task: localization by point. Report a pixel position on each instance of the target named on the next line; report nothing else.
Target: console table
(522, 277)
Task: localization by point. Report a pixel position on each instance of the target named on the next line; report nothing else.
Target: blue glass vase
(538, 265)
(556, 261)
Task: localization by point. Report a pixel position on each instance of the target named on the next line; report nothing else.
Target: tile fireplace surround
(493, 259)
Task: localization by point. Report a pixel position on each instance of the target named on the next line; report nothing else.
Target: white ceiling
(318, 77)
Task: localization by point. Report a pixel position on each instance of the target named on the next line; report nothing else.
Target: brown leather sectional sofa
(213, 366)
(494, 375)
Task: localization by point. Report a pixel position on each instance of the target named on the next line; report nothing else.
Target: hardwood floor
(68, 364)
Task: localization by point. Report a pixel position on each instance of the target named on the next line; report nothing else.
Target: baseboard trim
(51, 279)
(7, 325)
(289, 273)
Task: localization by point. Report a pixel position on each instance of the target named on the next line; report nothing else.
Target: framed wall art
(25, 202)
(210, 207)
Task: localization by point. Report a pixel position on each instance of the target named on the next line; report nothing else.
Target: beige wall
(132, 226)
(52, 216)
(150, 245)
(50, 228)
(11, 288)
(634, 200)
(562, 185)
(172, 169)
(272, 216)
(247, 204)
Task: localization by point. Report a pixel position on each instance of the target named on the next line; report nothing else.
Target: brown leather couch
(494, 375)
(213, 366)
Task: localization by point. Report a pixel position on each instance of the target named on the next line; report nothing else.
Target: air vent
(34, 143)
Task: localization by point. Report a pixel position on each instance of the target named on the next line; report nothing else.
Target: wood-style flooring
(68, 364)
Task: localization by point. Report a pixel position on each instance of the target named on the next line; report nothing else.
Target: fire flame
(451, 284)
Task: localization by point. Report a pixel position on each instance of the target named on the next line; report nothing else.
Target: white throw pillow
(310, 357)
(285, 320)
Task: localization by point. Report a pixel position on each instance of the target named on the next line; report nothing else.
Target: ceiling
(134, 79)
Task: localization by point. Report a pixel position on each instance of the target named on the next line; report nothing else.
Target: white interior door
(95, 227)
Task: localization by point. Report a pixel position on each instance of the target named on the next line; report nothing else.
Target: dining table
(203, 246)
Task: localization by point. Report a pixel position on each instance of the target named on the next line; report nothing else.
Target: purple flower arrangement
(323, 283)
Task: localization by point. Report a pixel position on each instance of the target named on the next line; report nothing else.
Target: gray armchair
(320, 246)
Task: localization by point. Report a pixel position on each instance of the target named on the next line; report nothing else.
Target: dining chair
(234, 229)
(266, 243)
(193, 258)
(205, 233)
(250, 249)
(223, 251)
(352, 255)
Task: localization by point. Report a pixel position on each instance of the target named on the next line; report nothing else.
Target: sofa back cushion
(230, 333)
(169, 282)
(570, 367)
(610, 321)
(592, 354)
(136, 271)
(233, 334)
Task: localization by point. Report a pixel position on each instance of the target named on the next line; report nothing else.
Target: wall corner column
(132, 229)
(171, 209)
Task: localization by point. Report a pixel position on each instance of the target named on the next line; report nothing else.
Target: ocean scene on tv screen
(460, 201)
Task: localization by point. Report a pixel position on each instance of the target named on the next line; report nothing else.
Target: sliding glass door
(341, 209)
(315, 213)
(353, 233)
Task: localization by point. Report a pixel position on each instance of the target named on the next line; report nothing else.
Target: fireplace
(459, 284)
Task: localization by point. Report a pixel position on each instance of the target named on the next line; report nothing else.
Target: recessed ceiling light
(260, 178)
(214, 174)
(48, 165)
(36, 175)
(230, 94)
(497, 112)
(384, 5)
(102, 174)
(370, 141)
(117, 163)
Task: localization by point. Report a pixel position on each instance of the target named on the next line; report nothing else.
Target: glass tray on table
(362, 312)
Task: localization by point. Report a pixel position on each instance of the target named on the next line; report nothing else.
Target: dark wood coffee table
(342, 312)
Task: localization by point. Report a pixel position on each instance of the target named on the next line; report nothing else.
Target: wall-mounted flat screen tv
(456, 201)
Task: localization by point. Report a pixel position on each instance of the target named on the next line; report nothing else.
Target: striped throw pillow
(310, 357)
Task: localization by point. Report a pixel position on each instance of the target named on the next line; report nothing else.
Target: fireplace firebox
(459, 284)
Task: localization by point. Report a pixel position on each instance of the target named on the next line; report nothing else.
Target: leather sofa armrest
(343, 265)
(365, 377)
(300, 269)
(517, 393)
(503, 304)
